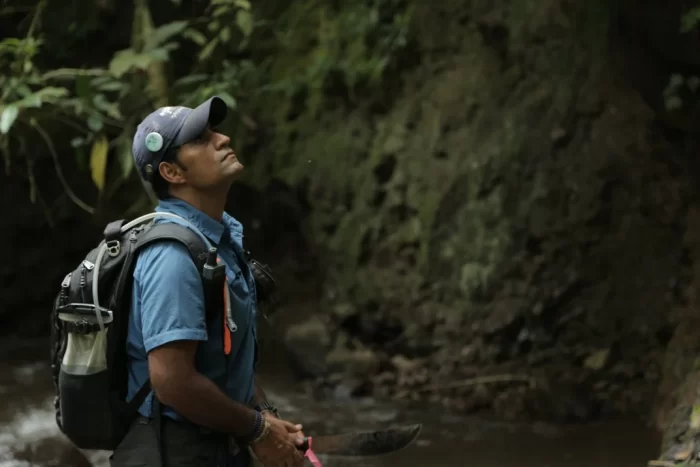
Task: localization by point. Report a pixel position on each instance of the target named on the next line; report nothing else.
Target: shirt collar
(235, 229)
(210, 227)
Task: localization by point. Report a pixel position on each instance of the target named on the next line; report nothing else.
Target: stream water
(29, 437)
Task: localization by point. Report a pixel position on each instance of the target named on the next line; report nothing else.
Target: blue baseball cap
(170, 127)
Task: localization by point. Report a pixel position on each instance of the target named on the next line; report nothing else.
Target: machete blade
(370, 443)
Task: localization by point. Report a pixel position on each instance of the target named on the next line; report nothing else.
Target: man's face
(208, 162)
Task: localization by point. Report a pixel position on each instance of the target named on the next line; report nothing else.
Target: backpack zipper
(65, 285)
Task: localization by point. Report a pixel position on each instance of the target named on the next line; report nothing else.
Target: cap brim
(210, 113)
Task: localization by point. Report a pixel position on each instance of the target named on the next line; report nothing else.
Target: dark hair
(161, 187)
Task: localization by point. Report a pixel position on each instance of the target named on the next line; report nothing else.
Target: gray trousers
(183, 445)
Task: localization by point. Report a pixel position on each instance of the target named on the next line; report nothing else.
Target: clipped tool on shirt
(265, 285)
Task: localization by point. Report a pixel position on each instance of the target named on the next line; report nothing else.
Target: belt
(232, 445)
(142, 420)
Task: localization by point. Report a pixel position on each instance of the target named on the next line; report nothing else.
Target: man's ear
(172, 173)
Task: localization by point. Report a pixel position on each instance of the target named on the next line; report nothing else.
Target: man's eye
(204, 136)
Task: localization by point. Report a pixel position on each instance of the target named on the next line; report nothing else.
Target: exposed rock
(359, 362)
(307, 344)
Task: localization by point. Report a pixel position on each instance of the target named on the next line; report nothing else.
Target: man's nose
(222, 141)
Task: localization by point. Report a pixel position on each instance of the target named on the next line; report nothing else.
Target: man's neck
(211, 204)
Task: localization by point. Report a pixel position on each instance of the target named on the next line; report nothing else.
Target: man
(201, 370)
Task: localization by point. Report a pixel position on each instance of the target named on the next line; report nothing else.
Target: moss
(442, 181)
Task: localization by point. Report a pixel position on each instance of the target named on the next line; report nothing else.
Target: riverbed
(29, 436)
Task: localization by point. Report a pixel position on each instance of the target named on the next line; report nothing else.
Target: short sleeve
(171, 296)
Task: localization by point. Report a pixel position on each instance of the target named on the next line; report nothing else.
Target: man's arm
(179, 385)
(172, 322)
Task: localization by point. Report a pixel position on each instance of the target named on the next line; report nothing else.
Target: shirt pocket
(237, 283)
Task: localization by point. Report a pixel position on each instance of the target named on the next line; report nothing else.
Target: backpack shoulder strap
(172, 231)
(198, 251)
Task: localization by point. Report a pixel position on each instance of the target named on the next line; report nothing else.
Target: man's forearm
(199, 400)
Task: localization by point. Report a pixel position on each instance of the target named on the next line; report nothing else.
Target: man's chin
(234, 169)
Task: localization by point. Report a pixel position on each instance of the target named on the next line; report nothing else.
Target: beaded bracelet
(260, 428)
(265, 430)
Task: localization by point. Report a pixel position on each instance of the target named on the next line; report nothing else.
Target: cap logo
(154, 142)
(171, 111)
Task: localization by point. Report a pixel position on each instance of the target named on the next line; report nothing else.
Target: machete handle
(303, 447)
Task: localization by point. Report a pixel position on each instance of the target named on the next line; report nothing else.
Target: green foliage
(94, 108)
(102, 105)
(354, 44)
(678, 88)
(683, 89)
(690, 20)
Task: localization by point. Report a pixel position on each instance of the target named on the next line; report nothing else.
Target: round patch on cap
(154, 142)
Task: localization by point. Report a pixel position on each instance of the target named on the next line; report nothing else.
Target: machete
(370, 443)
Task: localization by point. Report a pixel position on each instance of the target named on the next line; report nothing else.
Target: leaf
(110, 108)
(8, 117)
(23, 90)
(32, 100)
(72, 73)
(225, 34)
(245, 4)
(98, 161)
(195, 36)
(597, 360)
(244, 20)
(161, 34)
(77, 142)
(191, 79)
(220, 11)
(109, 85)
(47, 94)
(95, 123)
(208, 50)
(125, 60)
(695, 417)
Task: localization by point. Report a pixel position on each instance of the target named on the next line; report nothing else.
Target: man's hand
(297, 438)
(278, 449)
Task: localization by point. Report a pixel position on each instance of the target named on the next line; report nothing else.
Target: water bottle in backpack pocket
(85, 392)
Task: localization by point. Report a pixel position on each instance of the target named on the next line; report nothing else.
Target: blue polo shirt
(168, 305)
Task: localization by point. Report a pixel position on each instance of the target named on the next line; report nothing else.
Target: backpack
(89, 323)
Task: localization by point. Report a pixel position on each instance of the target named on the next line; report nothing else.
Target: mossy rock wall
(509, 200)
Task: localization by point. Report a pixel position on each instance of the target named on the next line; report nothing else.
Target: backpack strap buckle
(113, 248)
(113, 234)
